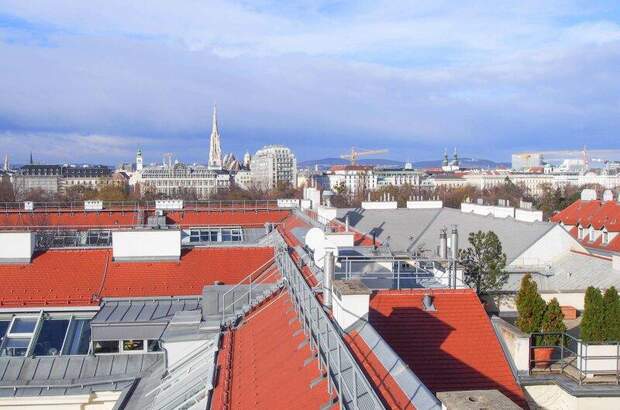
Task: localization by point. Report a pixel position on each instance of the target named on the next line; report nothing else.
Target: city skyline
(319, 77)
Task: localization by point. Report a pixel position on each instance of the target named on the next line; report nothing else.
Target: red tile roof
(386, 387)
(126, 218)
(453, 348)
(196, 268)
(597, 213)
(612, 246)
(266, 366)
(70, 277)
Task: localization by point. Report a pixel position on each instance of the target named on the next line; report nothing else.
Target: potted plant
(553, 324)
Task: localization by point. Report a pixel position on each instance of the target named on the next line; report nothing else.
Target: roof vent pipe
(328, 272)
(454, 243)
(443, 244)
(427, 301)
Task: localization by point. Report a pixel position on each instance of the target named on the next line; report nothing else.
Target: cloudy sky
(93, 80)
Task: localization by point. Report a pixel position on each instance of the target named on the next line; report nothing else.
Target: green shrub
(593, 321)
(552, 322)
(611, 304)
(530, 306)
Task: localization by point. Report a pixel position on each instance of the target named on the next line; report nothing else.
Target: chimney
(427, 302)
(454, 242)
(350, 302)
(328, 274)
(443, 244)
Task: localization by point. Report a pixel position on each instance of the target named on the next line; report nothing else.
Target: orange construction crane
(354, 155)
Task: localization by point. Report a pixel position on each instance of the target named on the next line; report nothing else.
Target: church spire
(215, 149)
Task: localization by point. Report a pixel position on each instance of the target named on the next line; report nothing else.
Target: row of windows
(44, 335)
(581, 234)
(126, 346)
(197, 235)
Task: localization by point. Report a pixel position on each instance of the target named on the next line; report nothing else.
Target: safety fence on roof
(173, 204)
(585, 362)
(353, 389)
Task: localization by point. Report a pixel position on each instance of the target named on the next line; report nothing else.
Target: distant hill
(465, 163)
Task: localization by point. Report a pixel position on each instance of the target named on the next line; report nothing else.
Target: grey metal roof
(62, 375)
(139, 318)
(136, 310)
(409, 229)
(572, 272)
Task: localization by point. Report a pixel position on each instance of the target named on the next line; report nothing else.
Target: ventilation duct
(443, 244)
(427, 301)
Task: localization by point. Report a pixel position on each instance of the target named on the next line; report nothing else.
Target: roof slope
(130, 218)
(78, 277)
(268, 363)
(386, 387)
(451, 349)
(597, 213)
(408, 229)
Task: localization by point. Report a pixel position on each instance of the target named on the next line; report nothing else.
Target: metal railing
(577, 359)
(353, 389)
(252, 281)
(76, 206)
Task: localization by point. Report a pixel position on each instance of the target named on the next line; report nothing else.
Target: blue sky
(91, 81)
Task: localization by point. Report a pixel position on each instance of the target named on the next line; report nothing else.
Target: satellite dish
(314, 238)
(321, 250)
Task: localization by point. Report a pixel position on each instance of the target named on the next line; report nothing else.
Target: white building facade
(182, 178)
(273, 165)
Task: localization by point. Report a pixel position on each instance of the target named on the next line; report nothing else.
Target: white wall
(169, 204)
(340, 238)
(93, 205)
(146, 244)
(327, 213)
(424, 204)
(503, 211)
(314, 195)
(95, 401)
(379, 205)
(176, 351)
(16, 247)
(476, 209)
(349, 308)
(288, 203)
(554, 244)
(528, 215)
(553, 397)
(574, 299)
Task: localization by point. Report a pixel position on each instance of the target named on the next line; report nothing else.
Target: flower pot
(542, 357)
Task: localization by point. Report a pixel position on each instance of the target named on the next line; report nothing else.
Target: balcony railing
(583, 361)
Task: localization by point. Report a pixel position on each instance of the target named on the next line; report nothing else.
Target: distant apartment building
(180, 178)
(58, 178)
(358, 178)
(243, 179)
(273, 165)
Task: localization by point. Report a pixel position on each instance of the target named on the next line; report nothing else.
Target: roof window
(44, 335)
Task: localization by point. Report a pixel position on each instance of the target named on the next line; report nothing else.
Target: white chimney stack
(351, 301)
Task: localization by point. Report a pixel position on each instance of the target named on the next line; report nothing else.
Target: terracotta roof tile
(74, 277)
(453, 348)
(386, 387)
(130, 218)
(268, 366)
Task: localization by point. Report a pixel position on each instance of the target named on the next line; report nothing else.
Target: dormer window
(605, 239)
(580, 232)
(591, 234)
